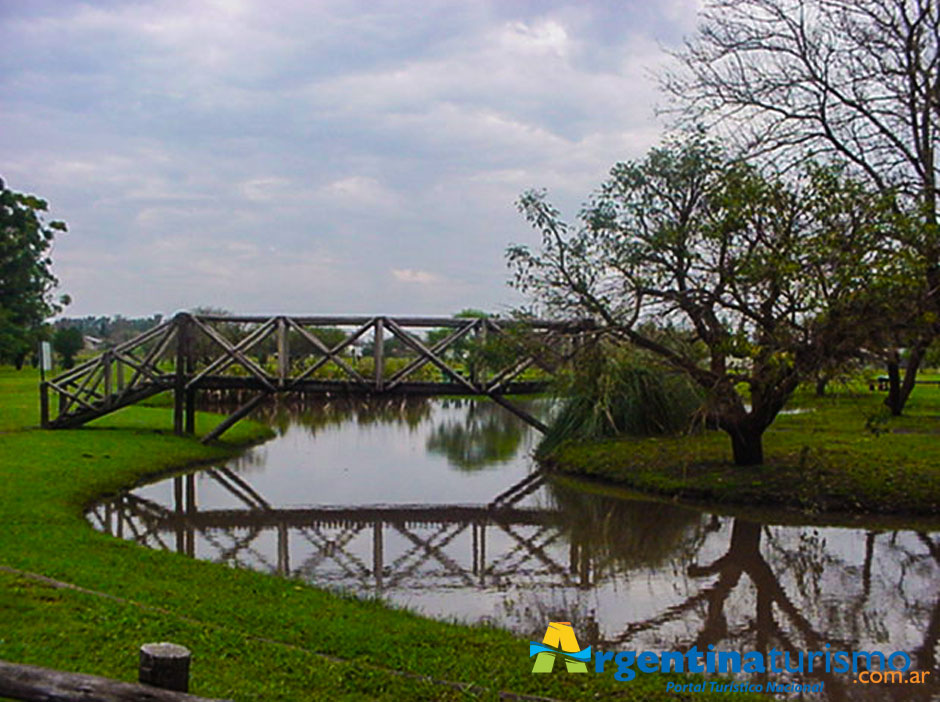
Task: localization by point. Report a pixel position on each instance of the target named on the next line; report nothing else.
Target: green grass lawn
(253, 637)
(839, 453)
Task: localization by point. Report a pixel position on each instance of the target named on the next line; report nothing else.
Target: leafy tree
(774, 278)
(67, 342)
(855, 79)
(26, 279)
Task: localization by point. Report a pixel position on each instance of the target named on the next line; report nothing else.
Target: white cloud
(541, 37)
(266, 189)
(358, 191)
(406, 275)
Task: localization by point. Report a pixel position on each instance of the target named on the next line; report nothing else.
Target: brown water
(435, 505)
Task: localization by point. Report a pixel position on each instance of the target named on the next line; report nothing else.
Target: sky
(317, 157)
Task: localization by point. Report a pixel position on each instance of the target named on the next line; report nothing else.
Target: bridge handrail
(421, 322)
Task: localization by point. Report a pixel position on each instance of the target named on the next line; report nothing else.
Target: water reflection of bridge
(437, 546)
(660, 576)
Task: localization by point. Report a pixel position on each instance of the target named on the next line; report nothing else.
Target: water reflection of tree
(608, 537)
(482, 434)
(627, 534)
(783, 622)
(317, 414)
(486, 435)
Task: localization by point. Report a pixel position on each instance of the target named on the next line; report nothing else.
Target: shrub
(614, 392)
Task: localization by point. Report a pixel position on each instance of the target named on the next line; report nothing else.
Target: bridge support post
(107, 370)
(378, 554)
(190, 392)
(481, 562)
(178, 506)
(190, 411)
(283, 550)
(378, 354)
(283, 353)
(44, 405)
(184, 401)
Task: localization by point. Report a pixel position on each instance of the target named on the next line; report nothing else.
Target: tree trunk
(821, 383)
(899, 390)
(893, 400)
(748, 446)
(914, 358)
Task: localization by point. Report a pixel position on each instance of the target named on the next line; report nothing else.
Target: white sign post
(45, 358)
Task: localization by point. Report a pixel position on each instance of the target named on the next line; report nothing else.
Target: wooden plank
(438, 348)
(330, 354)
(519, 412)
(355, 321)
(234, 353)
(189, 411)
(224, 361)
(507, 374)
(119, 375)
(378, 353)
(80, 416)
(64, 405)
(146, 336)
(131, 343)
(141, 367)
(32, 683)
(433, 357)
(107, 370)
(242, 484)
(150, 359)
(183, 332)
(283, 352)
(544, 344)
(233, 418)
(351, 339)
(300, 517)
(349, 388)
(80, 389)
(44, 405)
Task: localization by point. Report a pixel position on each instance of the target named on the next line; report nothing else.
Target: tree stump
(165, 665)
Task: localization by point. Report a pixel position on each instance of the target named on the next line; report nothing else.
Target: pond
(436, 505)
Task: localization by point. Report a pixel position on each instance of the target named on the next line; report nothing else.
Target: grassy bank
(839, 453)
(254, 637)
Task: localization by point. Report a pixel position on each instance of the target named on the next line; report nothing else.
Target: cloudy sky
(310, 156)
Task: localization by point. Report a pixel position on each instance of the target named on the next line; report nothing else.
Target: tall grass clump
(615, 392)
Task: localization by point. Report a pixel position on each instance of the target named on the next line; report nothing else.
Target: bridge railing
(261, 355)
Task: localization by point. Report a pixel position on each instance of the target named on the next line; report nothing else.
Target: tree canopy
(67, 342)
(774, 276)
(26, 279)
(857, 80)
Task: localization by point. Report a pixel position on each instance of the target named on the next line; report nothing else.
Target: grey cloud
(247, 157)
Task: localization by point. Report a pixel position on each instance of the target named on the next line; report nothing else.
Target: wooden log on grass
(31, 683)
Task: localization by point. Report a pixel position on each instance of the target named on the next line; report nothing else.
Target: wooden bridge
(261, 356)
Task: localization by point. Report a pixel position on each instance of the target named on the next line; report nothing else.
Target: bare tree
(854, 79)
